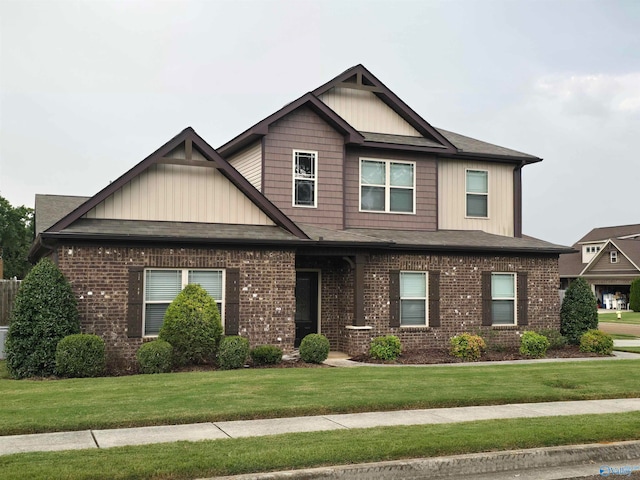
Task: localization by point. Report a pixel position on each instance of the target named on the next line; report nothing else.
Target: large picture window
(503, 298)
(413, 299)
(477, 188)
(387, 186)
(305, 178)
(161, 286)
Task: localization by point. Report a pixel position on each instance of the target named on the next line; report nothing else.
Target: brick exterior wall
(99, 277)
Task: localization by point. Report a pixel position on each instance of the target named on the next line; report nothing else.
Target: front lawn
(628, 316)
(30, 406)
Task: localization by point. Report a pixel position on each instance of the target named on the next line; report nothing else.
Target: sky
(90, 88)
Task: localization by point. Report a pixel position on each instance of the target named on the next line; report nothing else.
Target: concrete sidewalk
(89, 439)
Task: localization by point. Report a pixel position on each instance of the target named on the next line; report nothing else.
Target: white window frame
(298, 176)
(184, 283)
(514, 299)
(424, 298)
(613, 256)
(467, 192)
(387, 186)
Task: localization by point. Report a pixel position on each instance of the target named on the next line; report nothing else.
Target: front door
(306, 305)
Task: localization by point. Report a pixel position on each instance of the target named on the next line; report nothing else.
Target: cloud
(598, 94)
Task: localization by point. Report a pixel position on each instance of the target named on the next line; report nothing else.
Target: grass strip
(623, 336)
(30, 406)
(184, 460)
(627, 349)
(627, 316)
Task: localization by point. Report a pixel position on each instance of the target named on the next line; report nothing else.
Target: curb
(463, 466)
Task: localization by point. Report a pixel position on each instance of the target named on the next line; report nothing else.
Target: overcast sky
(90, 88)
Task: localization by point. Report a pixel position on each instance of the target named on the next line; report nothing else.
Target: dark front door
(306, 305)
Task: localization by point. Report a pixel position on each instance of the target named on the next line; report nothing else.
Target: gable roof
(468, 146)
(51, 208)
(605, 233)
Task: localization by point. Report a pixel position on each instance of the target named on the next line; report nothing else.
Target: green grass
(628, 316)
(185, 460)
(623, 336)
(30, 406)
(627, 349)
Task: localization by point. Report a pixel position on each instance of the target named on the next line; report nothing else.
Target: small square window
(387, 186)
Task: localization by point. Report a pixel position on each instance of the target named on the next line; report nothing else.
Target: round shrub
(233, 352)
(266, 355)
(579, 311)
(155, 357)
(44, 312)
(596, 341)
(80, 355)
(386, 348)
(192, 326)
(533, 345)
(556, 339)
(314, 348)
(467, 346)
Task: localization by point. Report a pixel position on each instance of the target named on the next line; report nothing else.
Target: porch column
(358, 291)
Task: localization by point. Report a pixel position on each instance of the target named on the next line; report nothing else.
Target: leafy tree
(16, 235)
(45, 311)
(634, 295)
(579, 311)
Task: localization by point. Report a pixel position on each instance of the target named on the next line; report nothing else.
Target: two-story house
(344, 213)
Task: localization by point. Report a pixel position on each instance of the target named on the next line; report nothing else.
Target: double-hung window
(387, 186)
(613, 256)
(477, 190)
(413, 299)
(305, 167)
(161, 286)
(503, 298)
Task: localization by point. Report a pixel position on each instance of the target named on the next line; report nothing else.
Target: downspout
(517, 200)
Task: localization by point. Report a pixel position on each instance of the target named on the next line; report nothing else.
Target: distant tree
(16, 235)
(579, 311)
(634, 295)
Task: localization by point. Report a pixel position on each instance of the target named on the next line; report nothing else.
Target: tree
(634, 295)
(45, 311)
(579, 311)
(16, 235)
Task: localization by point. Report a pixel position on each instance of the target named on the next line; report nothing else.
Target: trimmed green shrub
(556, 340)
(386, 348)
(45, 311)
(266, 355)
(155, 357)
(467, 346)
(233, 352)
(579, 311)
(192, 326)
(80, 355)
(596, 341)
(314, 348)
(634, 295)
(533, 344)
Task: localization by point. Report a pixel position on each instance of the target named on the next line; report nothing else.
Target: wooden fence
(8, 290)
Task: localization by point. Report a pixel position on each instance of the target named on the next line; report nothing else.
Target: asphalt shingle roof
(51, 208)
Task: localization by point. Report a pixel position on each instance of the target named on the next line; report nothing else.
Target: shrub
(80, 355)
(314, 348)
(579, 311)
(233, 352)
(634, 295)
(192, 326)
(596, 341)
(386, 348)
(266, 355)
(533, 344)
(556, 340)
(467, 346)
(155, 357)
(44, 312)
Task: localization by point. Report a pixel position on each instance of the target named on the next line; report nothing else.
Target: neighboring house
(344, 213)
(609, 260)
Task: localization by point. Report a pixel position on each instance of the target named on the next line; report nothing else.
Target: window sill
(358, 327)
(416, 328)
(504, 327)
(388, 213)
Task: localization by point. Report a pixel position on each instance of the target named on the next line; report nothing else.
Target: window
(477, 193)
(413, 299)
(162, 286)
(503, 299)
(613, 256)
(387, 186)
(304, 178)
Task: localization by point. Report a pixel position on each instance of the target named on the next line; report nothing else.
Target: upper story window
(161, 286)
(477, 193)
(503, 298)
(387, 186)
(305, 167)
(613, 256)
(413, 299)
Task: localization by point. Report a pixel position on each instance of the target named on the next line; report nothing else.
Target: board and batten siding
(365, 112)
(452, 199)
(249, 163)
(180, 193)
